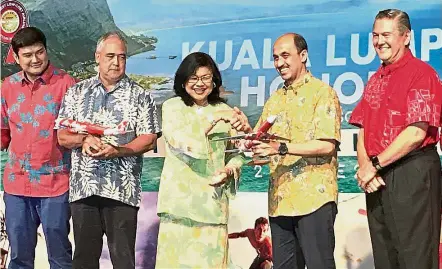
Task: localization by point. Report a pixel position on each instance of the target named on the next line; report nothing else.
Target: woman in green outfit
(193, 208)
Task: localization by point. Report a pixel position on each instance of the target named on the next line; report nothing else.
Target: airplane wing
(75, 131)
(233, 151)
(275, 137)
(241, 136)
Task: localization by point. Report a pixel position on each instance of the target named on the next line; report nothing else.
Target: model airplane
(261, 134)
(93, 129)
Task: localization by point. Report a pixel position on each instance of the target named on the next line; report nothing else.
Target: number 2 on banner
(258, 174)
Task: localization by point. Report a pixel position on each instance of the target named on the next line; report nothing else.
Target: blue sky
(141, 15)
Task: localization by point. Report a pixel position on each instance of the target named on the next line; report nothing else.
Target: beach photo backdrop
(239, 35)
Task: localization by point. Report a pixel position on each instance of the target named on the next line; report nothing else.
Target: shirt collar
(122, 83)
(388, 69)
(45, 77)
(299, 83)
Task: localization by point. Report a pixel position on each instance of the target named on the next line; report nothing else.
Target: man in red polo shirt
(400, 170)
(36, 176)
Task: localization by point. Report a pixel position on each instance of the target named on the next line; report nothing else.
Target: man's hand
(265, 149)
(375, 184)
(235, 117)
(240, 121)
(365, 174)
(106, 152)
(91, 145)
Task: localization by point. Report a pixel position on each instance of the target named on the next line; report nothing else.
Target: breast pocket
(44, 127)
(396, 113)
(396, 109)
(44, 136)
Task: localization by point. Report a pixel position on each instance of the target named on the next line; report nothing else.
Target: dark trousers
(304, 240)
(404, 216)
(94, 216)
(23, 215)
(256, 264)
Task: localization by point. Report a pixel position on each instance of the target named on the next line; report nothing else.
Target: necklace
(199, 109)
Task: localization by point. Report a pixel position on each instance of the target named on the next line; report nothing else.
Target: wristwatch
(283, 150)
(375, 162)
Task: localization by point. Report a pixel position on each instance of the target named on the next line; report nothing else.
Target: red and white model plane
(260, 134)
(93, 129)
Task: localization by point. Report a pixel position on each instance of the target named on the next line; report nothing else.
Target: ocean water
(253, 179)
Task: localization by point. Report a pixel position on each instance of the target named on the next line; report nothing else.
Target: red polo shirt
(397, 95)
(37, 166)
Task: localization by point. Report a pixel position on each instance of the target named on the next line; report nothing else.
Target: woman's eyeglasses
(205, 79)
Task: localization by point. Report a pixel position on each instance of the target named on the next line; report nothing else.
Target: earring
(182, 85)
(214, 85)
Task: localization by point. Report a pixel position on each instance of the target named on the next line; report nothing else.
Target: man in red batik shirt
(36, 176)
(400, 170)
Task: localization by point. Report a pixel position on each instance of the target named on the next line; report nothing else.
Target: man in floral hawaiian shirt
(105, 187)
(303, 173)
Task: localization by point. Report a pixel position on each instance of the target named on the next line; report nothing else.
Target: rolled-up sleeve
(424, 101)
(147, 119)
(327, 119)
(68, 107)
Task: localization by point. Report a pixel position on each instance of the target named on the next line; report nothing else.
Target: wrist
(82, 139)
(213, 121)
(120, 151)
(248, 129)
(282, 149)
(375, 163)
(363, 162)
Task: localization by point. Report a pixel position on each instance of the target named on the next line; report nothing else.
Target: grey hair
(108, 35)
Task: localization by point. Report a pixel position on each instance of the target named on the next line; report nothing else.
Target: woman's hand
(235, 117)
(221, 177)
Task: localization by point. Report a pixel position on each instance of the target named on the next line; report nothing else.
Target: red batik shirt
(37, 166)
(397, 95)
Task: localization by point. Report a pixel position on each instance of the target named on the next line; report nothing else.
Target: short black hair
(27, 36)
(300, 42)
(188, 68)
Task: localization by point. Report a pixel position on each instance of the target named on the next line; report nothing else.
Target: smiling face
(200, 85)
(33, 60)
(390, 44)
(289, 63)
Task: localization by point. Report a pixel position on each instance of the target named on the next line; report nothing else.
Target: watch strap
(375, 162)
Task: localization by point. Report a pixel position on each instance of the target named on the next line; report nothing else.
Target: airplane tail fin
(72, 130)
(61, 122)
(122, 127)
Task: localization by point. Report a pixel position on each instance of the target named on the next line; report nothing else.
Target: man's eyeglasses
(205, 79)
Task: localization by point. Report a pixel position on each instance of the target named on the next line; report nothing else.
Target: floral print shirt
(307, 110)
(117, 178)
